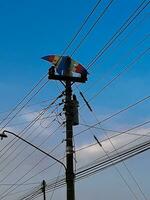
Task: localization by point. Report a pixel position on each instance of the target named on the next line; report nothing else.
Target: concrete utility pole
(71, 113)
(43, 189)
(69, 142)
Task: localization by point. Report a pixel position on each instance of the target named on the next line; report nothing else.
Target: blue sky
(32, 29)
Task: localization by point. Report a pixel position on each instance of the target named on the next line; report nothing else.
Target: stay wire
(122, 177)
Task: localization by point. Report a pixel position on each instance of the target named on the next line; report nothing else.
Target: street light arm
(5, 131)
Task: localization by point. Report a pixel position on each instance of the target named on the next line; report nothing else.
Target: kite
(65, 65)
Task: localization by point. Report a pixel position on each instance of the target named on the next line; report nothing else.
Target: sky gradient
(32, 29)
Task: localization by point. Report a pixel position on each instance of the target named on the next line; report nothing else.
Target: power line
(31, 123)
(85, 21)
(70, 43)
(126, 167)
(16, 187)
(115, 114)
(115, 167)
(92, 27)
(80, 150)
(126, 55)
(92, 169)
(119, 32)
(115, 131)
(19, 146)
(32, 104)
(31, 153)
(23, 99)
(82, 26)
(24, 105)
(125, 69)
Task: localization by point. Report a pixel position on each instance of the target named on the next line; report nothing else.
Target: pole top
(64, 68)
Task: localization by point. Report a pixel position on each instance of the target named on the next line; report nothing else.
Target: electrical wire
(115, 167)
(30, 124)
(16, 187)
(82, 26)
(93, 169)
(125, 25)
(23, 99)
(115, 66)
(126, 167)
(125, 69)
(14, 117)
(92, 27)
(13, 159)
(117, 113)
(57, 179)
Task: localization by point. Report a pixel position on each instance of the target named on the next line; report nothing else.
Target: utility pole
(43, 189)
(69, 142)
(71, 111)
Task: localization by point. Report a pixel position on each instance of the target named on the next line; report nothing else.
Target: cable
(57, 179)
(20, 145)
(93, 169)
(92, 27)
(115, 167)
(102, 168)
(81, 27)
(24, 105)
(118, 32)
(70, 43)
(126, 55)
(7, 191)
(29, 155)
(85, 21)
(13, 159)
(17, 113)
(115, 114)
(26, 113)
(23, 99)
(122, 177)
(31, 124)
(125, 69)
(127, 168)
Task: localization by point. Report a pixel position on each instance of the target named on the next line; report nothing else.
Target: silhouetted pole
(43, 189)
(64, 69)
(69, 142)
